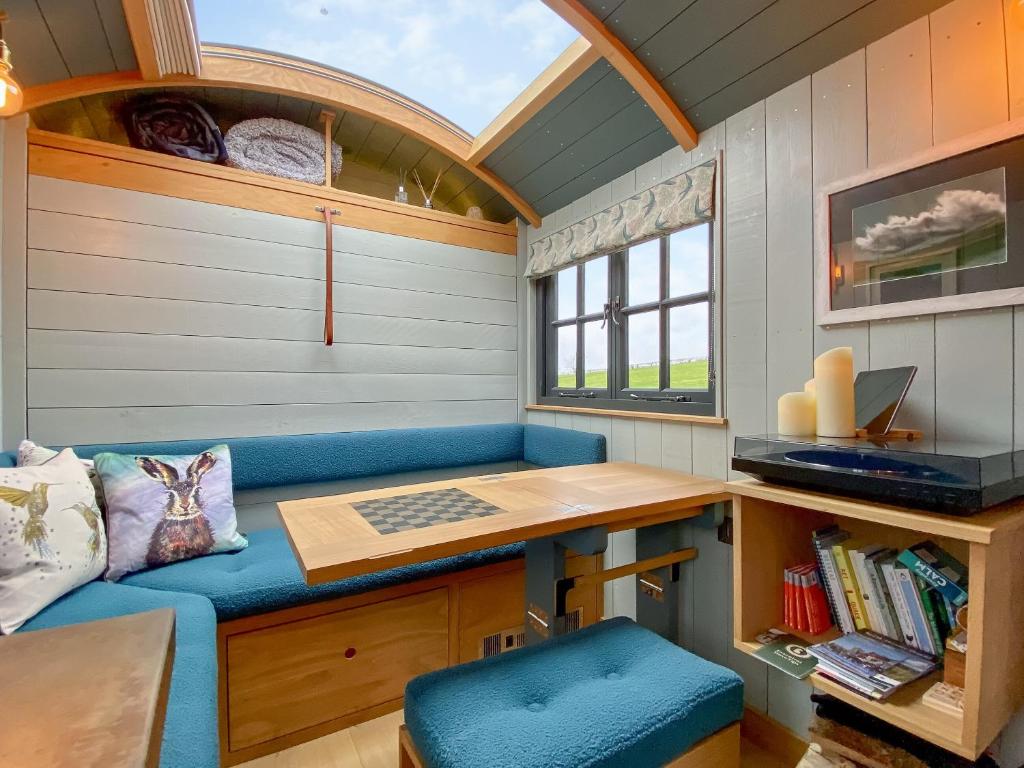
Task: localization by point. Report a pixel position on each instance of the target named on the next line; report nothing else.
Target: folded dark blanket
(175, 126)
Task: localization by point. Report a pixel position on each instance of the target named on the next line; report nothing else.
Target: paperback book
(871, 664)
(788, 653)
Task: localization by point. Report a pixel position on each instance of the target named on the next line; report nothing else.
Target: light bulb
(11, 96)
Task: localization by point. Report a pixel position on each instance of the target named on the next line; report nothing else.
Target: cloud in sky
(955, 211)
(465, 59)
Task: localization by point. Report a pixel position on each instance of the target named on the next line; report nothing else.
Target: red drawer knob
(350, 653)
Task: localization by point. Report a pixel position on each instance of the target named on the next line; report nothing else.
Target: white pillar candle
(833, 384)
(797, 414)
(810, 387)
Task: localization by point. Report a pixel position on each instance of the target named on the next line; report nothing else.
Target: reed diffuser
(427, 198)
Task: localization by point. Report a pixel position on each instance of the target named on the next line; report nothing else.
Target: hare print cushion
(161, 509)
(51, 536)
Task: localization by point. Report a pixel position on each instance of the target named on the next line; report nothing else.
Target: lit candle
(833, 385)
(797, 414)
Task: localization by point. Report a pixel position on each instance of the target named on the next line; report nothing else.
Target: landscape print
(931, 233)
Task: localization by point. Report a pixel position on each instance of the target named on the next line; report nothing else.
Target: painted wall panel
(152, 318)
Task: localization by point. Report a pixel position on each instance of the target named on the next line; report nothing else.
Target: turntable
(956, 478)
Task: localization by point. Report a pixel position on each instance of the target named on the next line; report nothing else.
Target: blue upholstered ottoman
(613, 695)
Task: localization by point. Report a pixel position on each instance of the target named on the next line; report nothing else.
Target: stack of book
(805, 605)
(910, 596)
(871, 664)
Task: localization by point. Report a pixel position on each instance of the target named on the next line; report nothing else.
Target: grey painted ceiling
(378, 150)
(714, 57)
(56, 39)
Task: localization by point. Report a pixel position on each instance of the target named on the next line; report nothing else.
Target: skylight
(464, 59)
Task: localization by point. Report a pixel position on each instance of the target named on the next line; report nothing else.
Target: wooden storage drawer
(292, 676)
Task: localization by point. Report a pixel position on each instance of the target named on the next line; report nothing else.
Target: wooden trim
(164, 37)
(629, 66)
(823, 312)
(573, 62)
(142, 34)
(771, 736)
(227, 67)
(14, 277)
(717, 421)
(109, 165)
(650, 564)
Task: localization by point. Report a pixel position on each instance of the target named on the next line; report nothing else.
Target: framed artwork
(942, 231)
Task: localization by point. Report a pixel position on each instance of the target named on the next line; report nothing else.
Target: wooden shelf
(772, 530)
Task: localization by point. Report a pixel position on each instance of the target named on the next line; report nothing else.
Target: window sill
(710, 420)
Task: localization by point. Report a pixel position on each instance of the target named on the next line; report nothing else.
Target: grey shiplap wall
(153, 318)
(955, 71)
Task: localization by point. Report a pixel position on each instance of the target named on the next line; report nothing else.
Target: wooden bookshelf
(772, 530)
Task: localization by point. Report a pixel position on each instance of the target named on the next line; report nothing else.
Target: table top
(87, 694)
(336, 537)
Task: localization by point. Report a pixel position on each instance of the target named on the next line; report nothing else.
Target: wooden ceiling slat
(112, 17)
(78, 33)
(36, 57)
(636, 23)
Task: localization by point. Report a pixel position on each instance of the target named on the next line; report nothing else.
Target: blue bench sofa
(265, 577)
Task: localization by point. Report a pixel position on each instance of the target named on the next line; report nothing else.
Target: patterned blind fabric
(682, 201)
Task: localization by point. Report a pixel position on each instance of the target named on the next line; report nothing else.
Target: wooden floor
(375, 745)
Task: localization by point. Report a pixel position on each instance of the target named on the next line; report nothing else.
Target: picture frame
(833, 205)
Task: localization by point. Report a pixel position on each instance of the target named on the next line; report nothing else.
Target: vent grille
(510, 639)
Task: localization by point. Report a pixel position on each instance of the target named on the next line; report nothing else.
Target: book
(938, 569)
(824, 539)
(908, 589)
(871, 599)
(788, 653)
(849, 581)
(817, 607)
(873, 661)
(935, 627)
(873, 565)
(902, 609)
(836, 675)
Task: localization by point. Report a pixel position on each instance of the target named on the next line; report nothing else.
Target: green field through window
(692, 374)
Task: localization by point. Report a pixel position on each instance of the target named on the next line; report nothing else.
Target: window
(633, 330)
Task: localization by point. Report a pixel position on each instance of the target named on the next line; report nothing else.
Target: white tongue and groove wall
(954, 72)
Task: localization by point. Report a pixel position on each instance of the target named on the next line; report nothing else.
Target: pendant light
(11, 96)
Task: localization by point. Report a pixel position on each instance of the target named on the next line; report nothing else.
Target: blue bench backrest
(267, 462)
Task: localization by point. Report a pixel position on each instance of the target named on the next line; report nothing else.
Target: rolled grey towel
(280, 148)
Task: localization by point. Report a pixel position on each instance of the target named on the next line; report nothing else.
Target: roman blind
(680, 202)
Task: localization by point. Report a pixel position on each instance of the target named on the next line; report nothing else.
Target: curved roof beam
(629, 66)
(230, 67)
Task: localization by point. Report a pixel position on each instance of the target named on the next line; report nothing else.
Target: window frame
(618, 396)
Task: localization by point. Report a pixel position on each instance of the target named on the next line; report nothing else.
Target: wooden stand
(893, 434)
(772, 530)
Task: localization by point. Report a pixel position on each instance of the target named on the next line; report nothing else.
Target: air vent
(510, 639)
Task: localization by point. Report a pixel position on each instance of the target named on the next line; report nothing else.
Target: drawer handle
(350, 653)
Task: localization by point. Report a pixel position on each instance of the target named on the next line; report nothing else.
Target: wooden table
(87, 694)
(333, 539)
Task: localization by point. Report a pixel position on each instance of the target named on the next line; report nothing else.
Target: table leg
(546, 585)
(658, 591)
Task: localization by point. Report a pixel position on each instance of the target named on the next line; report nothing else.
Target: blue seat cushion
(613, 695)
(190, 729)
(265, 576)
(269, 462)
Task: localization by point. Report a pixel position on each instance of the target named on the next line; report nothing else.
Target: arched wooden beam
(629, 66)
(228, 67)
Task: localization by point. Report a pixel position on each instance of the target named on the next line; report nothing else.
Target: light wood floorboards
(375, 745)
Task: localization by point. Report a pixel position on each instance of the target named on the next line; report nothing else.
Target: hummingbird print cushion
(51, 536)
(161, 509)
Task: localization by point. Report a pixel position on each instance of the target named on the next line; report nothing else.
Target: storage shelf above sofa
(772, 531)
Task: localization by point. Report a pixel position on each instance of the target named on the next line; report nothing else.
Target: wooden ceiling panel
(112, 16)
(870, 23)
(628, 158)
(380, 142)
(636, 23)
(607, 138)
(580, 86)
(599, 103)
(697, 29)
(78, 32)
(37, 59)
(782, 26)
